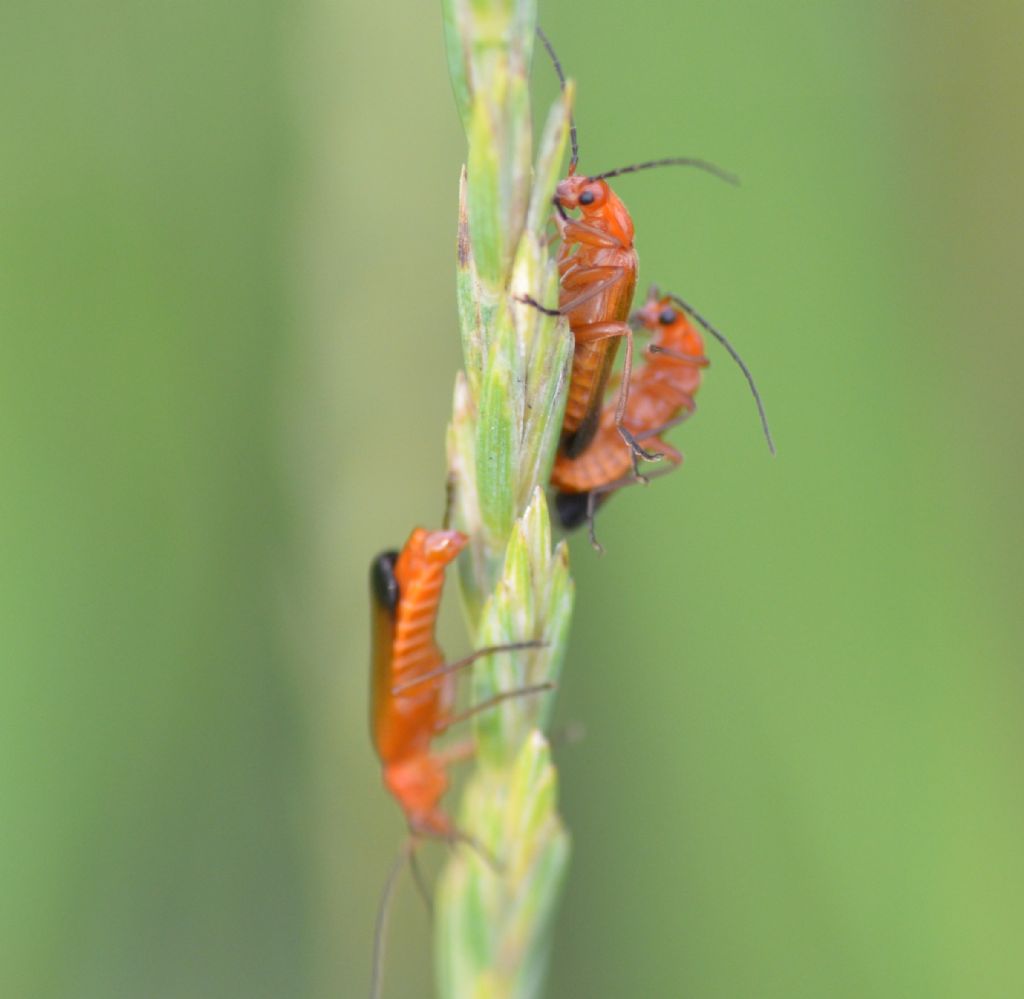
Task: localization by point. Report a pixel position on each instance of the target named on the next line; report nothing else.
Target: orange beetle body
(413, 693)
(406, 593)
(659, 394)
(597, 266)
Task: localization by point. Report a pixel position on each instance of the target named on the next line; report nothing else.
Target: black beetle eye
(667, 317)
(587, 198)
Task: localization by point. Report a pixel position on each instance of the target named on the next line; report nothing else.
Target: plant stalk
(495, 903)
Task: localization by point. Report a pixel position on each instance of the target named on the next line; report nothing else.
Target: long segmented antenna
(711, 168)
(380, 930)
(421, 884)
(694, 314)
(574, 145)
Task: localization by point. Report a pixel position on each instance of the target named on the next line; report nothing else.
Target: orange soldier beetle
(413, 695)
(660, 397)
(597, 266)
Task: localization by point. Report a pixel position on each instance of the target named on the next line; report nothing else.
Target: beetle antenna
(711, 168)
(421, 884)
(380, 930)
(694, 314)
(574, 145)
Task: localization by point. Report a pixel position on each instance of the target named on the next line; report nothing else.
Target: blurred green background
(227, 310)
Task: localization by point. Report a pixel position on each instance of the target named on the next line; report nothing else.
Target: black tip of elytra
(383, 583)
(571, 509)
